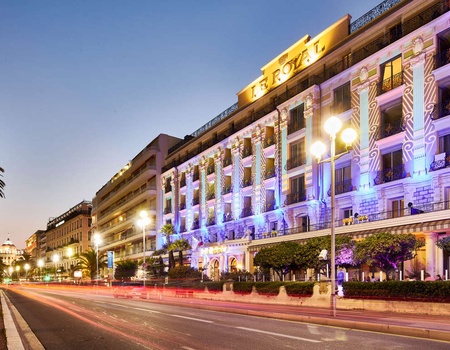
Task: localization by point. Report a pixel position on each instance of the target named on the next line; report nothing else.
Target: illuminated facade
(67, 236)
(9, 253)
(32, 244)
(116, 206)
(247, 178)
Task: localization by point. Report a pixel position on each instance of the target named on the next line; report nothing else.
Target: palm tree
(180, 245)
(168, 230)
(2, 184)
(88, 262)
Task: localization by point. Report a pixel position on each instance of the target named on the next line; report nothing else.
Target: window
(391, 120)
(391, 75)
(392, 167)
(343, 180)
(297, 190)
(444, 144)
(397, 208)
(296, 119)
(297, 154)
(347, 213)
(341, 99)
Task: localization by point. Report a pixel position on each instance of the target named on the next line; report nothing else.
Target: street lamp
(69, 255)
(40, 263)
(143, 221)
(26, 267)
(97, 241)
(55, 260)
(332, 126)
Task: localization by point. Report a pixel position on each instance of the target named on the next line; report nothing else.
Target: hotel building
(116, 206)
(247, 179)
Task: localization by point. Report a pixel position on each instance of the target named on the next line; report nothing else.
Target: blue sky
(86, 84)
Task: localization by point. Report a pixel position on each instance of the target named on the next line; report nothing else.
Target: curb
(13, 340)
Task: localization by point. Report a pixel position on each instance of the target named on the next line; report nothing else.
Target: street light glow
(144, 221)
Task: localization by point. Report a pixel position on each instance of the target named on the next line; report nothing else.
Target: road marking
(192, 318)
(152, 311)
(187, 348)
(279, 335)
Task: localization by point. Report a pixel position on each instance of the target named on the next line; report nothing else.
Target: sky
(85, 85)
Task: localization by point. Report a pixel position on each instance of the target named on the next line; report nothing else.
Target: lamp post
(69, 255)
(55, 259)
(10, 269)
(143, 221)
(97, 241)
(40, 263)
(332, 126)
(26, 267)
(18, 272)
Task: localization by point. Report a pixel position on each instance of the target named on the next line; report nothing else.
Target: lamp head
(332, 126)
(318, 149)
(348, 136)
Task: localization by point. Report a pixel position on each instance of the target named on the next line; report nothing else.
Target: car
(128, 290)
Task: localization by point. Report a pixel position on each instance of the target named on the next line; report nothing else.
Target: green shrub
(434, 291)
(273, 288)
(299, 288)
(243, 287)
(184, 272)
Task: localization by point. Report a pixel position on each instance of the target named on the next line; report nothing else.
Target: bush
(299, 288)
(432, 291)
(273, 288)
(184, 272)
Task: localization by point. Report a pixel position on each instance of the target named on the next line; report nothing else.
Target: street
(74, 319)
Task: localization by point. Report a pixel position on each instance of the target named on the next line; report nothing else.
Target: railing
(226, 189)
(227, 161)
(441, 110)
(390, 174)
(340, 107)
(424, 17)
(195, 201)
(295, 197)
(391, 128)
(210, 169)
(295, 162)
(372, 14)
(295, 126)
(441, 163)
(167, 210)
(270, 172)
(442, 58)
(270, 206)
(390, 83)
(227, 217)
(246, 212)
(247, 182)
(269, 141)
(123, 200)
(342, 187)
(247, 151)
(182, 206)
(195, 176)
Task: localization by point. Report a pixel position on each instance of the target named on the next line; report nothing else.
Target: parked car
(128, 290)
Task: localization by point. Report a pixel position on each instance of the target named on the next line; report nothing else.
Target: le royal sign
(302, 54)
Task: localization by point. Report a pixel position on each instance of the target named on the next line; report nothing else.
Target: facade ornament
(363, 74)
(417, 46)
(308, 102)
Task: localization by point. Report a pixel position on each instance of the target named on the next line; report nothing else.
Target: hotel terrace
(247, 178)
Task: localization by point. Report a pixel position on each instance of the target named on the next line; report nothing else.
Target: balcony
(182, 206)
(295, 126)
(226, 189)
(227, 217)
(441, 161)
(441, 109)
(210, 169)
(227, 161)
(196, 176)
(195, 200)
(182, 228)
(295, 197)
(182, 183)
(270, 205)
(167, 210)
(246, 212)
(247, 182)
(247, 151)
(342, 187)
(295, 162)
(196, 225)
(210, 195)
(211, 221)
(269, 141)
(390, 128)
(390, 83)
(270, 172)
(390, 174)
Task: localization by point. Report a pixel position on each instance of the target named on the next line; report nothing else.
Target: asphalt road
(73, 320)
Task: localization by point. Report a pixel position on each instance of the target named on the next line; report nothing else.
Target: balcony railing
(227, 161)
(270, 205)
(390, 174)
(211, 221)
(295, 162)
(210, 169)
(391, 128)
(246, 212)
(167, 210)
(227, 217)
(269, 141)
(182, 206)
(295, 126)
(182, 182)
(342, 187)
(195, 200)
(441, 163)
(226, 189)
(247, 182)
(390, 83)
(247, 151)
(270, 172)
(196, 176)
(295, 197)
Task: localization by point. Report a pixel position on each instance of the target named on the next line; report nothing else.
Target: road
(78, 320)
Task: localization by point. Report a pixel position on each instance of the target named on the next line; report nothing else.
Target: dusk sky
(85, 85)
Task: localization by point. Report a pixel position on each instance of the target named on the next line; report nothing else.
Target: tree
(2, 184)
(168, 230)
(280, 258)
(444, 244)
(125, 269)
(180, 245)
(88, 262)
(387, 251)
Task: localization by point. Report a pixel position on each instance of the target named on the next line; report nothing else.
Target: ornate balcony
(210, 169)
(167, 210)
(226, 189)
(269, 141)
(247, 151)
(227, 161)
(391, 128)
(441, 163)
(390, 174)
(295, 197)
(390, 83)
(247, 182)
(270, 172)
(195, 200)
(295, 162)
(342, 187)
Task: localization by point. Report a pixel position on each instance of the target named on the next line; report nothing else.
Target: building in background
(9, 253)
(32, 245)
(247, 179)
(116, 206)
(67, 236)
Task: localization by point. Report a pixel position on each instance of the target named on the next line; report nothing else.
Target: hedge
(438, 290)
(273, 288)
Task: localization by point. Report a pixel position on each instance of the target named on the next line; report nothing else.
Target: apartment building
(117, 205)
(247, 179)
(67, 236)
